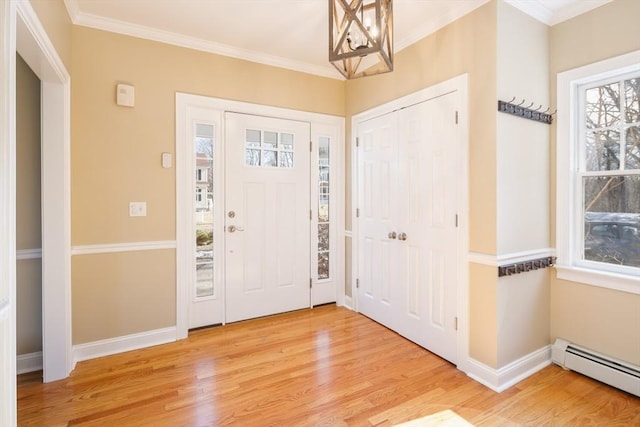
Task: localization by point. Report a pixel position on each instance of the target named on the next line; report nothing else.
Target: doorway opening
(34, 46)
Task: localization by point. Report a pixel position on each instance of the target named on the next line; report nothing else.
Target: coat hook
(539, 108)
(548, 108)
(529, 106)
(523, 101)
(554, 113)
(511, 100)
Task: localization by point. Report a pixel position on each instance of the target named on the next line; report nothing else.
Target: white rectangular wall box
(138, 209)
(125, 95)
(166, 160)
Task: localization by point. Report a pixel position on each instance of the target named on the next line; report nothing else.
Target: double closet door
(407, 200)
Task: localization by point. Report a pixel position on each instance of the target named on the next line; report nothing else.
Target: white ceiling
(285, 33)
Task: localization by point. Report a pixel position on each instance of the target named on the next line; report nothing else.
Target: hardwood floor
(322, 367)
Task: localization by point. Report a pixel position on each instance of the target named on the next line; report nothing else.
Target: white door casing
(267, 219)
(213, 110)
(8, 411)
(420, 304)
(39, 53)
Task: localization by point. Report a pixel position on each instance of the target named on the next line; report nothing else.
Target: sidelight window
(204, 143)
(324, 187)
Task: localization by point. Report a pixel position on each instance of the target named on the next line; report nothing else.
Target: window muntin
(324, 189)
(203, 193)
(268, 149)
(609, 174)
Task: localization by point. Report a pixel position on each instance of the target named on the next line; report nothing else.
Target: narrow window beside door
(203, 192)
(323, 207)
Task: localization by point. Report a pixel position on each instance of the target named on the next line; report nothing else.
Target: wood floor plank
(323, 367)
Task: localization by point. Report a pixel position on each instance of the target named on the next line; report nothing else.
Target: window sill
(607, 280)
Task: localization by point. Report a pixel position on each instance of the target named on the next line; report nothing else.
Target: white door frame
(35, 47)
(8, 413)
(183, 251)
(459, 83)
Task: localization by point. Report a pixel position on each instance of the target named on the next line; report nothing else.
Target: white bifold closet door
(407, 183)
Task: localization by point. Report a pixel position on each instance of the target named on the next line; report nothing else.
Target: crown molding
(575, 9)
(538, 11)
(534, 9)
(456, 11)
(126, 28)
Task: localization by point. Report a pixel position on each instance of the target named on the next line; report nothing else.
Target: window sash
(577, 237)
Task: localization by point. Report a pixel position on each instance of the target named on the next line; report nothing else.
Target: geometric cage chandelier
(361, 37)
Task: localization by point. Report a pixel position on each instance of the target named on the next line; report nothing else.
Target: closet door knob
(402, 236)
(392, 235)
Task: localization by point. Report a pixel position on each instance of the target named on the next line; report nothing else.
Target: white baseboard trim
(501, 379)
(111, 346)
(29, 362)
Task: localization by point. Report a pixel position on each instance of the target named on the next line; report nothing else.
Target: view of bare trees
(611, 178)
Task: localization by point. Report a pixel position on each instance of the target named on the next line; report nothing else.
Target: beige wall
(115, 159)
(522, 300)
(522, 145)
(483, 314)
(29, 307)
(123, 293)
(603, 320)
(115, 154)
(468, 45)
(56, 22)
(28, 217)
(465, 46)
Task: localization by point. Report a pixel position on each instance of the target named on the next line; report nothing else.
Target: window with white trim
(598, 212)
(609, 171)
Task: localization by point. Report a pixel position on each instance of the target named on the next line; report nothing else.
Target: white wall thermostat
(125, 95)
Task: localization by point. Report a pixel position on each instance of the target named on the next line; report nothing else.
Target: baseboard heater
(608, 370)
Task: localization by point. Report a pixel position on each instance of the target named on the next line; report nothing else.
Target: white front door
(407, 230)
(267, 216)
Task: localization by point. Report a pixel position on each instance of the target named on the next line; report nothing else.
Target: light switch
(138, 209)
(166, 160)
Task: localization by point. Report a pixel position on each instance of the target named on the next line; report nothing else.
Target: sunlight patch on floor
(446, 418)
